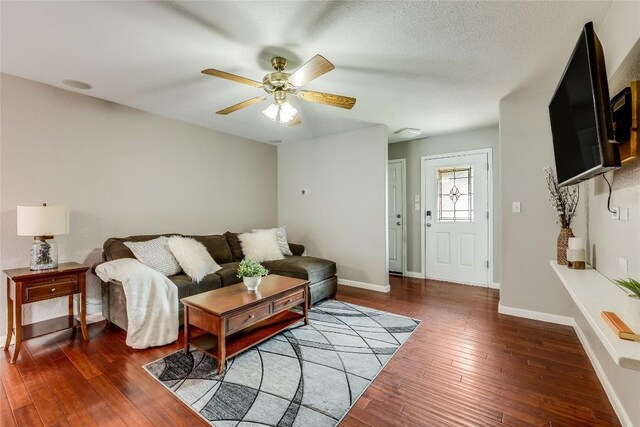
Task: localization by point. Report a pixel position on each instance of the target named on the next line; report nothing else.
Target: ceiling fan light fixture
(271, 112)
(287, 112)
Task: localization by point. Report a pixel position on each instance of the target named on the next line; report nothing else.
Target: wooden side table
(25, 286)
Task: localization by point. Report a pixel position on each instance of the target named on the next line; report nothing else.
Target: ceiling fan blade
(313, 68)
(242, 104)
(296, 121)
(232, 77)
(327, 99)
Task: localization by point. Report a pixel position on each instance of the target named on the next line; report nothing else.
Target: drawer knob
(52, 290)
(251, 316)
(289, 300)
(53, 280)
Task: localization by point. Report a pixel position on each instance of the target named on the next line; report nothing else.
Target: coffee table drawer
(288, 301)
(249, 317)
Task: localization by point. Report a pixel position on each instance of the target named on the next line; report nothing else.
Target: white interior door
(456, 218)
(396, 215)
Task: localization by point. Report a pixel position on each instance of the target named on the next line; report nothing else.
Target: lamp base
(44, 254)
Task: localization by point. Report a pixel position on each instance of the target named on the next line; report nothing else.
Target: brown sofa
(226, 251)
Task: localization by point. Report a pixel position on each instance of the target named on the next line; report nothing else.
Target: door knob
(398, 216)
(398, 223)
(428, 225)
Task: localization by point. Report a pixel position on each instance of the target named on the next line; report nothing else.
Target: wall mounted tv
(580, 113)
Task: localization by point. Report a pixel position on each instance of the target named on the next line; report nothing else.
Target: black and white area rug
(305, 376)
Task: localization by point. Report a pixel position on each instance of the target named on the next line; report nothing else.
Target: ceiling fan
(281, 84)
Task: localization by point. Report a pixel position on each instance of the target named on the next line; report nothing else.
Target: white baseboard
(91, 318)
(623, 417)
(494, 285)
(364, 285)
(536, 315)
(570, 321)
(413, 275)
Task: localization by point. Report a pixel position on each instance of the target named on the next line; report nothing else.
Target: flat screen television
(580, 113)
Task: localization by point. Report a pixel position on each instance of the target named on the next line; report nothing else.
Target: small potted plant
(632, 303)
(251, 272)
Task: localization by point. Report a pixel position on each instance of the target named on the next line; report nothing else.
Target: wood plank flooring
(466, 365)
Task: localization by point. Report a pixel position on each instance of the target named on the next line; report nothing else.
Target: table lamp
(43, 222)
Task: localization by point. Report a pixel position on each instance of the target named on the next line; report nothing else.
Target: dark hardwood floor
(466, 365)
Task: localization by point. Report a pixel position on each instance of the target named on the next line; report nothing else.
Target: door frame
(423, 208)
(403, 174)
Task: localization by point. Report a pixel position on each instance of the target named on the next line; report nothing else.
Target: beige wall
(412, 151)
(120, 171)
(528, 239)
(343, 217)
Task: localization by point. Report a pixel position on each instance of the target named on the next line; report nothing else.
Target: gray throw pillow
(156, 254)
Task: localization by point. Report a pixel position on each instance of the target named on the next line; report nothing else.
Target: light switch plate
(624, 214)
(516, 208)
(416, 198)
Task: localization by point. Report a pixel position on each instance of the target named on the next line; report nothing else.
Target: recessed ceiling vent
(408, 132)
(76, 84)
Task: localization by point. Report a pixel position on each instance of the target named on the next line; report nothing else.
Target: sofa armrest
(296, 249)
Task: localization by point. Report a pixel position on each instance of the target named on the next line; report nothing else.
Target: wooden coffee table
(235, 319)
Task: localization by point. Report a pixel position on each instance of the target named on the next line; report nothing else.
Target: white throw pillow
(281, 233)
(261, 245)
(155, 254)
(193, 257)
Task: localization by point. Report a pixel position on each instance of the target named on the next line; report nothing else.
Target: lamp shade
(43, 220)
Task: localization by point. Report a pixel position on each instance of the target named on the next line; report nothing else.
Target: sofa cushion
(114, 248)
(228, 273)
(217, 246)
(234, 244)
(187, 287)
(302, 267)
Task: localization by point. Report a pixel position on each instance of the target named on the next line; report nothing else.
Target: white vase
(252, 283)
(631, 314)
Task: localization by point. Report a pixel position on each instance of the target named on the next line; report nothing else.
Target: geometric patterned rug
(308, 375)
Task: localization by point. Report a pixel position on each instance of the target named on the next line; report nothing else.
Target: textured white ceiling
(438, 66)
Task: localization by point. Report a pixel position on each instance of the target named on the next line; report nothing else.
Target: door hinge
(487, 264)
(487, 214)
(487, 167)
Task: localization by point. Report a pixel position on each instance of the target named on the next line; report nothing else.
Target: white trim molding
(622, 414)
(413, 274)
(623, 417)
(535, 315)
(364, 285)
(494, 285)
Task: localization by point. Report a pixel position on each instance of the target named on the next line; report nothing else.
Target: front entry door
(456, 218)
(396, 217)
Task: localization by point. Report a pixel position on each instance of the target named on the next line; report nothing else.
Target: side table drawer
(51, 288)
(249, 317)
(288, 301)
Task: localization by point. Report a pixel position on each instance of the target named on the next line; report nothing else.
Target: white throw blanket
(152, 302)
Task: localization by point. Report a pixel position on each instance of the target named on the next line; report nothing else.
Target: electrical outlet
(416, 206)
(416, 198)
(623, 265)
(615, 213)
